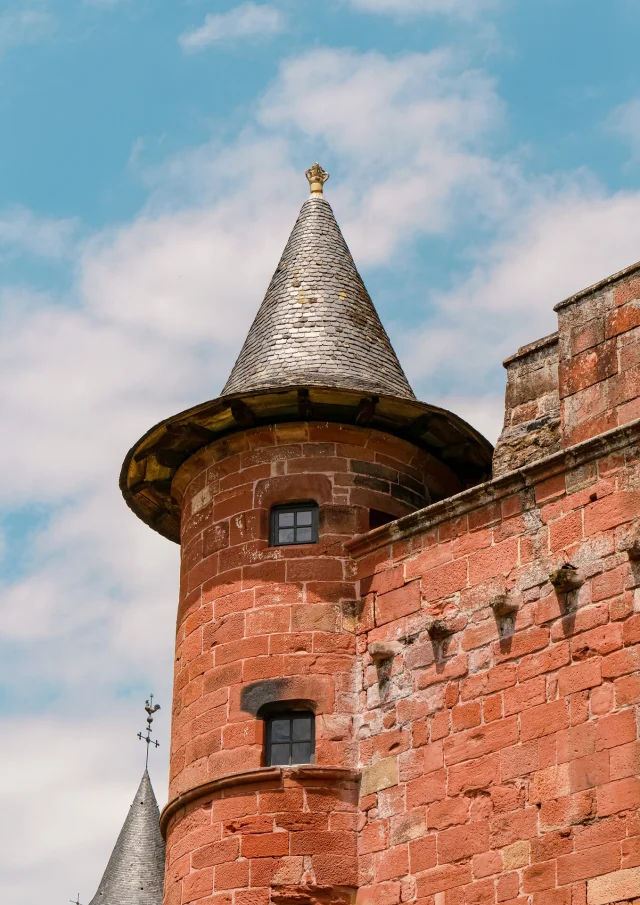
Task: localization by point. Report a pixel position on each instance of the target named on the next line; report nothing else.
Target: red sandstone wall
(504, 769)
(288, 838)
(258, 625)
(599, 358)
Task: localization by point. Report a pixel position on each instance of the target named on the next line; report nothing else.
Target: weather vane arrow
(151, 708)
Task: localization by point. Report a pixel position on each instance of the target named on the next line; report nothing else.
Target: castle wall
(498, 726)
(500, 749)
(286, 837)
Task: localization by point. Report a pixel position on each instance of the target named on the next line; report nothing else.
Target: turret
(317, 437)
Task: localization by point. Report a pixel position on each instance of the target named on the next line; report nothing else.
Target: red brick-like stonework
(511, 742)
(599, 358)
(259, 625)
(476, 723)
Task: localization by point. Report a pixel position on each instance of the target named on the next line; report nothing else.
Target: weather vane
(151, 708)
(75, 901)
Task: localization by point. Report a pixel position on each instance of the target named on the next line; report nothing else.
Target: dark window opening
(378, 518)
(295, 523)
(290, 739)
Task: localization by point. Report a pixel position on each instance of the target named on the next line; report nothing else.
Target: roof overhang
(150, 465)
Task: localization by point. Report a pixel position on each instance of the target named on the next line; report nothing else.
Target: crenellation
(532, 406)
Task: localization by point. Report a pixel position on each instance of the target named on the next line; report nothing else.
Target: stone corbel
(567, 578)
(631, 547)
(439, 629)
(503, 605)
(379, 651)
(504, 608)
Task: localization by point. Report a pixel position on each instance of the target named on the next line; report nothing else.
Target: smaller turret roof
(135, 872)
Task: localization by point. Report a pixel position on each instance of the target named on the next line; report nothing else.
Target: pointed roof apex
(317, 325)
(135, 872)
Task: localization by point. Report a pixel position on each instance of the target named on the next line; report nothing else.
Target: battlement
(578, 382)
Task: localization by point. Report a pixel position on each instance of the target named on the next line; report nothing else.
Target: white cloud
(624, 121)
(20, 27)
(407, 8)
(484, 412)
(65, 789)
(566, 238)
(247, 21)
(21, 231)
(413, 153)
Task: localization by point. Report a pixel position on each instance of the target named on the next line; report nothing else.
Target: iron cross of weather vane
(151, 708)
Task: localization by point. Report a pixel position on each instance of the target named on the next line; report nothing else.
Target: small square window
(290, 739)
(296, 523)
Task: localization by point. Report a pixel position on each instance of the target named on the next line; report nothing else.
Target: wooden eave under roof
(150, 465)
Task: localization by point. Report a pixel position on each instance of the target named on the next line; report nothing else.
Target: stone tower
(317, 437)
(405, 671)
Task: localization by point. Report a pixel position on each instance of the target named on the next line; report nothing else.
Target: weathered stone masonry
(502, 766)
(475, 699)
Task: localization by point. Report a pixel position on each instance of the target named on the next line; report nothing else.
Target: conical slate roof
(315, 351)
(317, 325)
(135, 872)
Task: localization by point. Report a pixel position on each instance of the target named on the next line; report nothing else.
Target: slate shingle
(317, 325)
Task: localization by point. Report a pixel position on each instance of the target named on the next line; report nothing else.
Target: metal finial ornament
(75, 901)
(151, 708)
(316, 178)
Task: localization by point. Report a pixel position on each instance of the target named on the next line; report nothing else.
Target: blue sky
(485, 157)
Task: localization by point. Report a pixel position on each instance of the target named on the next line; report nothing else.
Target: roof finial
(316, 177)
(151, 708)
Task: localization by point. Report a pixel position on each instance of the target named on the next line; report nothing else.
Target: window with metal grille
(295, 523)
(290, 738)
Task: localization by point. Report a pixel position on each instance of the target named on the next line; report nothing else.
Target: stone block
(614, 887)
(379, 776)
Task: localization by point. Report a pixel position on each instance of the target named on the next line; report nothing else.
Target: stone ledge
(497, 489)
(251, 777)
(551, 339)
